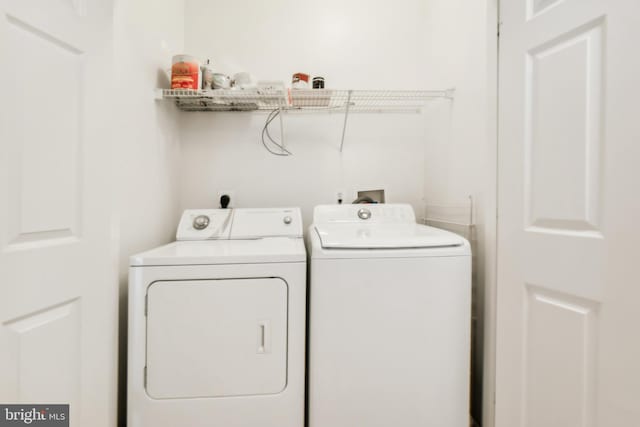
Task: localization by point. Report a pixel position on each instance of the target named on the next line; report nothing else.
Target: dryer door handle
(264, 337)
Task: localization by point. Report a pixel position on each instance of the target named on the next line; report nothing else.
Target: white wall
(441, 155)
(461, 159)
(146, 137)
(354, 45)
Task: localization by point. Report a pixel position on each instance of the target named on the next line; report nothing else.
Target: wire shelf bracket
(346, 116)
(282, 141)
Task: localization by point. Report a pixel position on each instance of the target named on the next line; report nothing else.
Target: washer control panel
(204, 224)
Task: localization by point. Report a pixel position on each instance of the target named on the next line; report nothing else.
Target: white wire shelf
(363, 100)
(273, 96)
(304, 100)
(225, 99)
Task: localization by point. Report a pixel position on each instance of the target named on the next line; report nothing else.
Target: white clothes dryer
(389, 321)
(217, 323)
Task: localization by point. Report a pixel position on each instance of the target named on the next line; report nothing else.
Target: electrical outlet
(340, 196)
(232, 198)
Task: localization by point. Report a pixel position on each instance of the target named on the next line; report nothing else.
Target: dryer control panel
(266, 222)
(205, 224)
(239, 224)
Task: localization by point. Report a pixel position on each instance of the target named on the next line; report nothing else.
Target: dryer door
(213, 338)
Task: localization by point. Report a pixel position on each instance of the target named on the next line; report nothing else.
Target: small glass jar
(318, 82)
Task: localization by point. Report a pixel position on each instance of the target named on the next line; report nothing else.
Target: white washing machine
(389, 321)
(217, 323)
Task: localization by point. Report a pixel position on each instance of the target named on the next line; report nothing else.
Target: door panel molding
(560, 336)
(563, 132)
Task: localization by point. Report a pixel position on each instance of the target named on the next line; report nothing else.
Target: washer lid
(384, 236)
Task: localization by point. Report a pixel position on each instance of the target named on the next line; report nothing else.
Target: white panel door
(568, 350)
(58, 290)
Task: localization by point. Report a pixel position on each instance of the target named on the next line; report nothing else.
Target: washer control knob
(201, 222)
(364, 213)
(287, 220)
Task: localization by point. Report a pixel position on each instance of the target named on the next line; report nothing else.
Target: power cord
(265, 131)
